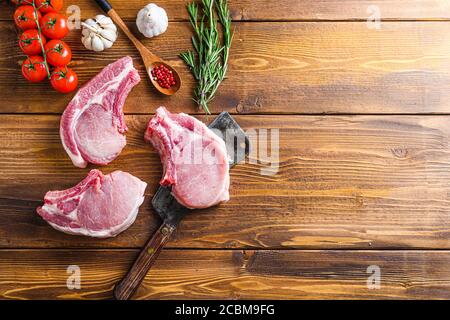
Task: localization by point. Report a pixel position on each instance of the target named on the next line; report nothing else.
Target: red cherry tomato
(29, 42)
(46, 6)
(33, 69)
(64, 80)
(58, 53)
(54, 25)
(25, 17)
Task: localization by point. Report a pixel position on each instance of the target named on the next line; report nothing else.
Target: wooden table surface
(364, 164)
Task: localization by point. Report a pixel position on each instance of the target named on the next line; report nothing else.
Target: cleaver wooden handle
(129, 284)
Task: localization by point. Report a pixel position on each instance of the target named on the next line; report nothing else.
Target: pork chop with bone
(194, 159)
(99, 206)
(92, 126)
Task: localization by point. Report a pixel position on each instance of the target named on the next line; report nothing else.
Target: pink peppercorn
(163, 76)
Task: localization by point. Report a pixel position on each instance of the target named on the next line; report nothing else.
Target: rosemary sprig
(209, 62)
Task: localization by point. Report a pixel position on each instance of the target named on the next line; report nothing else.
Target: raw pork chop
(92, 126)
(194, 159)
(99, 206)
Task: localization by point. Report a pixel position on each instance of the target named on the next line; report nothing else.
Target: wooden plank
(194, 274)
(275, 68)
(254, 10)
(343, 182)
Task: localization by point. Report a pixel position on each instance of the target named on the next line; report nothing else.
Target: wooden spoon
(150, 60)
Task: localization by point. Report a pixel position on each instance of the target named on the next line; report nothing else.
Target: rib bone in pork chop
(92, 126)
(194, 159)
(99, 206)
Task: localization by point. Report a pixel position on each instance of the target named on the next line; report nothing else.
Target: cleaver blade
(238, 146)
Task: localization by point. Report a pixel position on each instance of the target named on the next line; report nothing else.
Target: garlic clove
(109, 35)
(85, 32)
(102, 19)
(90, 22)
(87, 42)
(97, 44)
(107, 44)
(111, 27)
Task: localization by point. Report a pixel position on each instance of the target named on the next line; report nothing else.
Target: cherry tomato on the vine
(54, 25)
(64, 80)
(25, 17)
(33, 69)
(58, 53)
(29, 42)
(46, 6)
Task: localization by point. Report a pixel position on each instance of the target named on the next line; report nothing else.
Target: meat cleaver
(171, 212)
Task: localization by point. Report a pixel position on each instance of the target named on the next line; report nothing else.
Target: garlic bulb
(152, 20)
(99, 33)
